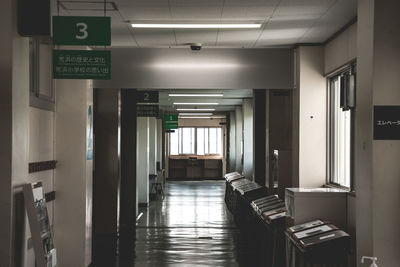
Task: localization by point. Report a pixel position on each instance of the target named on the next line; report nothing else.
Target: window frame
(195, 141)
(330, 121)
(37, 99)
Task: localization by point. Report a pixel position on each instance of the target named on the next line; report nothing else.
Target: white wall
(312, 102)
(232, 142)
(341, 50)
(377, 162)
(338, 52)
(26, 136)
(209, 68)
(248, 138)
(239, 138)
(73, 183)
(143, 150)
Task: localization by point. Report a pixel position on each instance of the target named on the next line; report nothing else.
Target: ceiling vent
(87, 6)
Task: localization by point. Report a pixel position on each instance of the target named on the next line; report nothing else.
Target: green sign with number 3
(81, 30)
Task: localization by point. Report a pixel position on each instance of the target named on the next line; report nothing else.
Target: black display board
(386, 122)
(147, 110)
(147, 96)
(34, 17)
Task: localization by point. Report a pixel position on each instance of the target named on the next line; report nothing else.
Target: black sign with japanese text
(147, 97)
(386, 122)
(146, 110)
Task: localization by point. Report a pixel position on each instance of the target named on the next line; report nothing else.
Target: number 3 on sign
(83, 34)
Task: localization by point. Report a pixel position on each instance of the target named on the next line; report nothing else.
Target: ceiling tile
(154, 37)
(121, 35)
(303, 7)
(206, 37)
(242, 38)
(194, 10)
(337, 17)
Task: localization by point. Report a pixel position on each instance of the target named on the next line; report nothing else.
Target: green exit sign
(170, 118)
(170, 121)
(81, 30)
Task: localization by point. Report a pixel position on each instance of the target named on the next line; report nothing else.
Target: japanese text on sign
(77, 64)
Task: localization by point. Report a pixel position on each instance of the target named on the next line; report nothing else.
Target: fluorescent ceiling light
(195, 117)
(195, 109)
(194, 65)
(195, 114)
(197, 104)
(198, 95)
(204, 117)
(197, 25)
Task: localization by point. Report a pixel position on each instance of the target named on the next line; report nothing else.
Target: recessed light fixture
(202, 117)
(195, 114)
(197, 25)
(197, 104)
(198, 95)
(195, 117)
(195, 109)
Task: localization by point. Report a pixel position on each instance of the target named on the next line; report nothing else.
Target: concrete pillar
(309, 118)
(248, 138)
(128, 187)
(232, 142)
(239, 139)
(143, 152)
(106, 179)
(152, 145)
(377, 168)
(73, 183)
(260, 136)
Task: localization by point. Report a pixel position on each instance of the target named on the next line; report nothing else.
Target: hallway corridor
(190, 227)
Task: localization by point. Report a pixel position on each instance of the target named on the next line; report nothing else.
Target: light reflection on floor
(191, 227)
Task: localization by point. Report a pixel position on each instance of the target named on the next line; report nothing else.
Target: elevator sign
(82, 64)
(81, 30)
(386, 122)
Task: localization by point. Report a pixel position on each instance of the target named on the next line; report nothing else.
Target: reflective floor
(191, 227)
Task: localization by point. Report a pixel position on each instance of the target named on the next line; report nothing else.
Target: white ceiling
(285, 22)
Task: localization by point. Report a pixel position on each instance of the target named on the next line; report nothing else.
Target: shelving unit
(190, 167)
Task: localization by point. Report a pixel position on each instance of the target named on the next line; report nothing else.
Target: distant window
(340, 129)
(196, 141)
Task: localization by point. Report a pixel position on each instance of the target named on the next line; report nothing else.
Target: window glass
(340, 137)
(174, 141)
(197, 141)
(187, 140)
(219, 141)
(206, 142)
(200, 141)
(213, 141)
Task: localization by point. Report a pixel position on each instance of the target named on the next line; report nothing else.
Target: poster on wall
(89, 152)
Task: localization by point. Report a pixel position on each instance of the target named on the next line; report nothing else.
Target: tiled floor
(191, 227)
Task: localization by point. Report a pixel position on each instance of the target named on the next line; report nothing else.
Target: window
(342, 93)
(41, 83)
(196, 141)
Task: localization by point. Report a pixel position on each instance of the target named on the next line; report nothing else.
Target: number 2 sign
(81, 30)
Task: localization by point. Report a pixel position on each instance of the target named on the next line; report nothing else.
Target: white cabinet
(328, 204)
